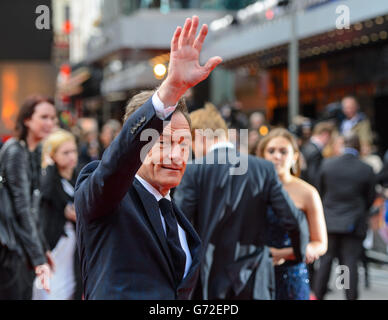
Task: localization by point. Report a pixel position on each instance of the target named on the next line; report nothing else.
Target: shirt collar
(152, 190)
(317, 143)
(352, 151)
(222, 144)
(355, 118)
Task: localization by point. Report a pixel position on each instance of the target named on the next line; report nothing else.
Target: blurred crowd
(334, 155)
(39, 168)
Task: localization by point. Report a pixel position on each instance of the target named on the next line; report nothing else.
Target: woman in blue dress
(292, 281)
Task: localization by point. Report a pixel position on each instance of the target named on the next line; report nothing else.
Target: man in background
(356, 121)
(347, 188)
(228, 209)
(312, 151)
(133, 242)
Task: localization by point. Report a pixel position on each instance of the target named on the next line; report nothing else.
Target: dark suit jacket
(121, 242)
(313, 157)
(382, 176)
(347, 188)
(230, 214)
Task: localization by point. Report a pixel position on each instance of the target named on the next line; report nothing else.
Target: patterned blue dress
(292, 280)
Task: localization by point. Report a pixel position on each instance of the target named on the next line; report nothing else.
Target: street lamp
(293, 66)
(160, 70)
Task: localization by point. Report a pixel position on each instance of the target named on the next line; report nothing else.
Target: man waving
(133, 242)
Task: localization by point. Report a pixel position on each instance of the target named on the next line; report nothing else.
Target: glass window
(226, 4)
(129, 6)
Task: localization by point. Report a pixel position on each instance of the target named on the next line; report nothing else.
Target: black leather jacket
(21, 171)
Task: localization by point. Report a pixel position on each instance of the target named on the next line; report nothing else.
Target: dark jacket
(382, 176)
(347, 188)
(84, 153)
(52, 207)
(21, 171)
(122, 246)
(230, 214)
(313, 157)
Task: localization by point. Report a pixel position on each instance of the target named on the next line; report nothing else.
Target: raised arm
(100, 187)
(102, 184)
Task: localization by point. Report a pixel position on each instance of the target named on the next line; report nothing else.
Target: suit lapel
(152, 210)
(317, 149)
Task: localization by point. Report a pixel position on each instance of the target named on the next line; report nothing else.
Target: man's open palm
(184, 69)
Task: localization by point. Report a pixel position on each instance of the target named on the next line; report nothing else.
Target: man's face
(199, 144)
(325, 137)
(165, 163)
(349, 107)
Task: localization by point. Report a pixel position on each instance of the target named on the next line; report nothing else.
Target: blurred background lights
(263, 130)
(269, 14)
(160, 70)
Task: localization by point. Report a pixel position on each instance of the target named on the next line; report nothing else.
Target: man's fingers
(201, 37)
(184, 38)
(175, 39)
(193, 30)
(43, 281)
(212, 63)
(46, 283)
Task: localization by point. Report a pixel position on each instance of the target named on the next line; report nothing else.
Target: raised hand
(184, 69)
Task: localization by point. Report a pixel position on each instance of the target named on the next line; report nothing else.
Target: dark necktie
(177, 253)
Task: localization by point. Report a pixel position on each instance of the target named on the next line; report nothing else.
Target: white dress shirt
(317, 143)
(160, 110)
(348, 124)
(182, 233)
(162, 113)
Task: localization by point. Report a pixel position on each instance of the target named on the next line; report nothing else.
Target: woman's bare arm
(317, 225)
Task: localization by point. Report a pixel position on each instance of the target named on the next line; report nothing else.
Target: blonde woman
(292, 283)
(59, 160)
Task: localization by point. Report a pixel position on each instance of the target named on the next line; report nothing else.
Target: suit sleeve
(313, 162)
(321, 180)
(293, 219)
(185, 195)
(371, 189)
(101, 187)
(314, 167)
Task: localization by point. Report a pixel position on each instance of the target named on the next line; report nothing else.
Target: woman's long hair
(284, 133)
(26, 111)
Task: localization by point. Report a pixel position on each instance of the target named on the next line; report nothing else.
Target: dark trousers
(16, 281)
(347, 248)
